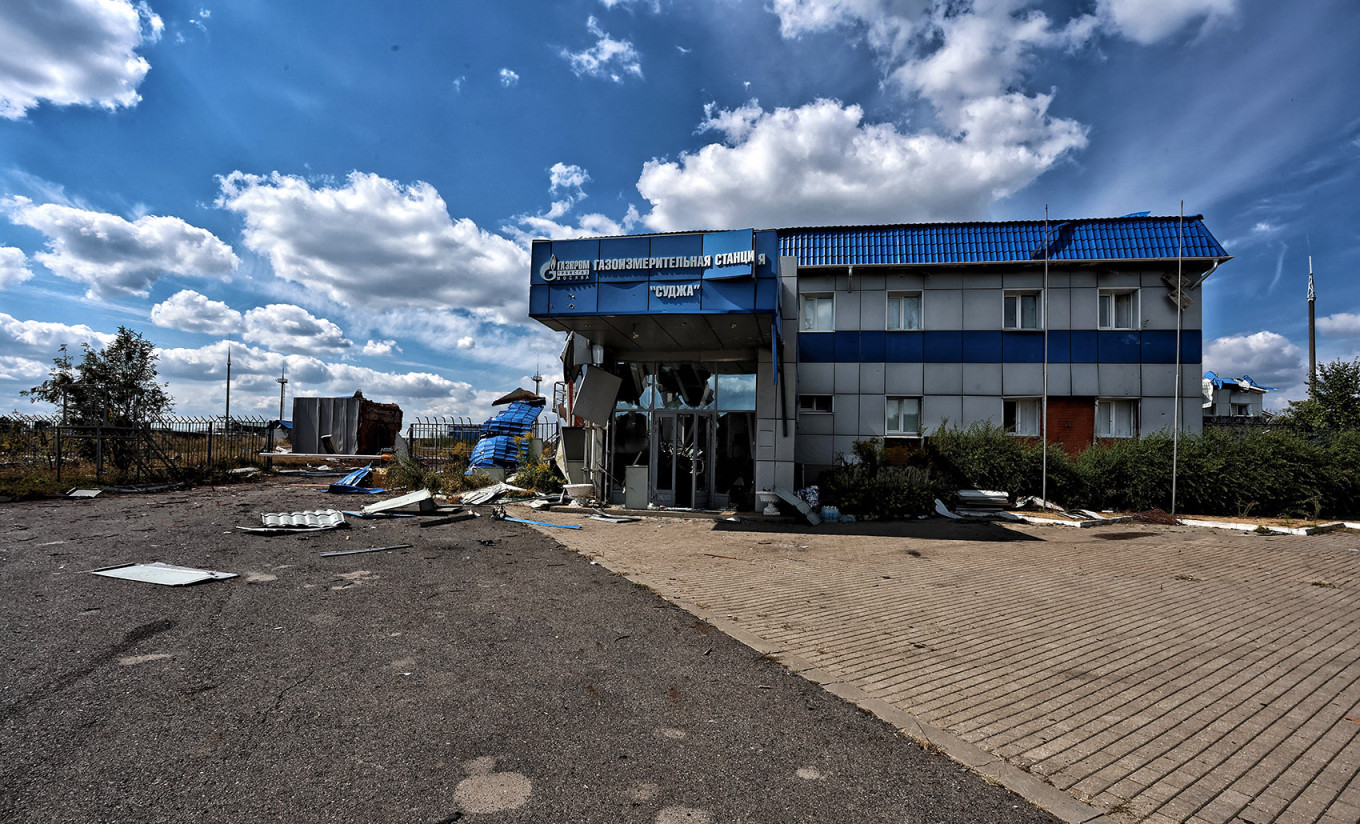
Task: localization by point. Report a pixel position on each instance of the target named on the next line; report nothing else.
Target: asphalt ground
(486, 673)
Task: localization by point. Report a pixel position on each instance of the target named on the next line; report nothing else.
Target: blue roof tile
(1121, 238)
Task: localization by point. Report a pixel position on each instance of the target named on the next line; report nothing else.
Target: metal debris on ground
(83, 493)
(489, 494)
(369, 515)
(162, 573)
(799, 504)
(452, 518)
(613, 519)
(361, 551)
(941, 509)
(356, 482)
(421, 498)
(498, 513)
(282, 523)
(981, 503)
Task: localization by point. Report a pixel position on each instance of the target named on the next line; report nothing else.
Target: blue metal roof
(1134, 237)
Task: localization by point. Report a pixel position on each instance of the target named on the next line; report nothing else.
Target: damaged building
(704, 366)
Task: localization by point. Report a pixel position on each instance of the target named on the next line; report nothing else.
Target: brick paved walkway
(1162, 674)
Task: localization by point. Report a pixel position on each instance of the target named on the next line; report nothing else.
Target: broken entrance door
(682, 469)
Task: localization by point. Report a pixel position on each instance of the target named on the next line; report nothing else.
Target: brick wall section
(1072, 423)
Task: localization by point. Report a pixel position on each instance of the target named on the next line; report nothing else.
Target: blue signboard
(696, 273)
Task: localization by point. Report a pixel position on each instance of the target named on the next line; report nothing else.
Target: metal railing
(444, 441)
(163, 448)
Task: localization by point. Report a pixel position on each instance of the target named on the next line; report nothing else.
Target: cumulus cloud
(1340, 325)
(287, 328)
(608, 59)
(508, 78)
(1150, 21)
(196, 377)
(73, 52)
(115, 256)
(13, 368)
(822, 162)
(44, 339)
(190, 311)
(380, 348)
(1270, 358)
(374, 243)
(983, 50)
(13, 267)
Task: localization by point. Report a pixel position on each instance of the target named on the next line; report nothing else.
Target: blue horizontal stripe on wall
(990, 346)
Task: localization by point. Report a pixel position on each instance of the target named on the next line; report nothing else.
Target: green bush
(870, 489)
(538, 474)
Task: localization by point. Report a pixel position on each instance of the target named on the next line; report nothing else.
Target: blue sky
(350, 187)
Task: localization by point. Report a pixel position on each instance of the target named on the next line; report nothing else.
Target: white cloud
(14, 368)
(820, 163)
(375, 244)
(508, 78)
(983, 50)
(609, 59)
(1270, 358)
(1149, 21)
(567, 180)
(44, 339)
(114, 256)
(13, 267)
(1340, 325)
(190, 311)
(197, 376)
(288, 328)
(380, 348)
(73, 52)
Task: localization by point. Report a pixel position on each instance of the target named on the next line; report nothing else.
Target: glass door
(682, 446)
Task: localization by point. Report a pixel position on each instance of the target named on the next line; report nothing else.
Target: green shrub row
(1273, 472)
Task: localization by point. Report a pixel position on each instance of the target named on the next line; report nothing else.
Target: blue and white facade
(754, 359)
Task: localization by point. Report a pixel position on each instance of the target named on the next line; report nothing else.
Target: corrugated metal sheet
(1121, 238)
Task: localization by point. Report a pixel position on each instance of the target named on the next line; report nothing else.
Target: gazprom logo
(555, 269)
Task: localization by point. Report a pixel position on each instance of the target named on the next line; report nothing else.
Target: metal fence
(164, 448)
(444, 441)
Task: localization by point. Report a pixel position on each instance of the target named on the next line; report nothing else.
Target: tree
(113, 386)
(1333, 399)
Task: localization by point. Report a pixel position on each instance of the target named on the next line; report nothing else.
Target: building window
(904, 310)
(904, 416)
(1116, 418)
(1241, 409)
(1021, 416)
(814, 403)
(1118, 309)
(1022, 310)
(817, 313)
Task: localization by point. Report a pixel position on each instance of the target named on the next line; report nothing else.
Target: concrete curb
(991, 767)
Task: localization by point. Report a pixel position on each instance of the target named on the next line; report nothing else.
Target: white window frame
(1013, 315)
(807, 320)
(898, 402)
(1035, 405)
(808, 404)
(1106, 411)
(896, 319)
(1112, 296)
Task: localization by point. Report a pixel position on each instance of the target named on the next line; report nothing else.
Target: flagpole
(1180, 303)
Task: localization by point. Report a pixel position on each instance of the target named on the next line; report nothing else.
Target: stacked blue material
(497, 450)
(497, 444)
(516, 420)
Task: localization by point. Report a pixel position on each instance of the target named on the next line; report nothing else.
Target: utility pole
(228, 411)
(282, 381)
(1312, 330)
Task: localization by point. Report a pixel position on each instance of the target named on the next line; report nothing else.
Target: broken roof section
(496, 446)
(519, 394)
(1242, 384)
